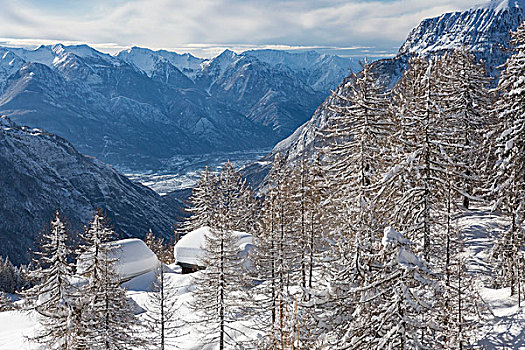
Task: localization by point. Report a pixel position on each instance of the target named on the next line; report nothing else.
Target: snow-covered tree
(356, 136)
(161, 309)
(156, 244)
(13, 279)
(8, 276)
(275, 256)
(6, 303)
(310, 189)
(219, 288)
(467, 101)
(461, 306)
(509, 178)
(202, 201)
(424, 170)
(357, 155)
(53, 295)
(107, 319)
(390, 309)
(237, 199)
(289, 241)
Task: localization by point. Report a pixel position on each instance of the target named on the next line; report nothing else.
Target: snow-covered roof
(189, 250)
(133, 258)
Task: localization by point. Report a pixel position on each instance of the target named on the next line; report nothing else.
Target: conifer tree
(461, 306)
(161, 308)
(53, 295)
(508, 184)
(357, 136)
(6, 303)
(357, 154)
(466, 99)
(202, 201)
(276, 255)
(310, 191)
(219, 288)
(424, 170)
(8, 276)
(390, 304)
(107, 316)
(157, 246)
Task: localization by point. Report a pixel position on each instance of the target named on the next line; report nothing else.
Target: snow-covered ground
(16, 326)
(183, 171)
(504, 328)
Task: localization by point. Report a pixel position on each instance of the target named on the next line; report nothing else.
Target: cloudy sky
(206, 27)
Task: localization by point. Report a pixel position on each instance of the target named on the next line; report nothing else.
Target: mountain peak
(501, 5)
(482, 29)
(227, 54)
(5, 121)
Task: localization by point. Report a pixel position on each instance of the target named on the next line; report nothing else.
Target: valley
(183, 171)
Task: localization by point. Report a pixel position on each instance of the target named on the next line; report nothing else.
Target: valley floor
(183, 171)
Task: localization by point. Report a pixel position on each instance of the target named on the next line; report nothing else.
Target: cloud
(215, 24)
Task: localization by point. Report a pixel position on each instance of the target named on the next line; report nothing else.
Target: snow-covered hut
(188, 250)
(132, 258)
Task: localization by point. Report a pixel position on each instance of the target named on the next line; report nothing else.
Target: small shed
(188, 250)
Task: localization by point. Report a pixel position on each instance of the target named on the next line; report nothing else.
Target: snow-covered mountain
(141, 106)
(41, 172)
(272, 88)
(484, 29)
(146, 60)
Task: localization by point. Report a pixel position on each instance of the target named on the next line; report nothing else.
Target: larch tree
(6, 303)
(219, 288)
(161, 306)
(424, 173)
(107, 319)
(202, 201)
(397, 294)
(461, 305)
(275, 259)
(508, 183)
(156, 244)
(53, 295)
(467, 100)
(357, 137)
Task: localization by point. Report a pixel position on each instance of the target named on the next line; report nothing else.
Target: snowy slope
(51, 54)
(321, 72)
(41, 172)
(146, 59)
(108, 109)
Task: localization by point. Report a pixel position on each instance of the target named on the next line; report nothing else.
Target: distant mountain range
(41, 172)
(141, 106)
(485, 30)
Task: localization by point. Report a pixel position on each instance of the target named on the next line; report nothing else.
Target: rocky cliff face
(41, 172)
(485, 30)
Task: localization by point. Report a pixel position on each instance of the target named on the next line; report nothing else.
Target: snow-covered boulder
(188, 250)
(133, 258)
